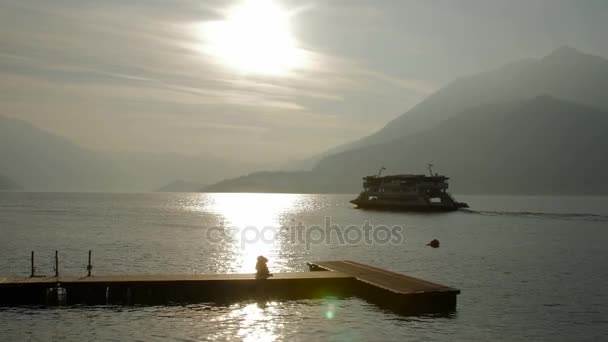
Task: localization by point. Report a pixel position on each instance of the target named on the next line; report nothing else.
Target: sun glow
(255, 38)
(251, 214)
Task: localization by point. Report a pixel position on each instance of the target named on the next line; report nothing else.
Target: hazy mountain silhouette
(181, 186)
(565, 73)
(267, 181)
(8, 184)
(534, 126)
(148, 171)
(540, 146)
(41, 161)
(565, 93)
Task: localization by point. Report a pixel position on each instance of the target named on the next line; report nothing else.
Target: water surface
(530, 268)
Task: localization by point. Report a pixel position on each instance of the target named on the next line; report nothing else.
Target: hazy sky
(259, 79)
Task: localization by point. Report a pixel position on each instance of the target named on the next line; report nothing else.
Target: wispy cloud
(140, 60)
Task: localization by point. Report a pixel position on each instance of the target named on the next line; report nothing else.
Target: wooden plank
(27, 280)
(391, 281)
(203, 277)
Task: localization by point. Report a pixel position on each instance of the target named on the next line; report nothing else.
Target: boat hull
(396, 206)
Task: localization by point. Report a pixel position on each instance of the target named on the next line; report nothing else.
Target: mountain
(42, 161)
(181, 186)
(540, 146)
(46, 162)
(266, 181)
(535, 126)
(147, 170)
(565, 73)
(7, 184)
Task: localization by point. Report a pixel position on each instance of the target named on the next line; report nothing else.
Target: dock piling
(33, 270)
(56, 264)
(89, 266)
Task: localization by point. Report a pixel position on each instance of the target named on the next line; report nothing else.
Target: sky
(259, 80)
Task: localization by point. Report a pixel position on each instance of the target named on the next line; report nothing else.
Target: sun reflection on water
(252, 212)
(257, 324)
(272, 320)
(252, 219)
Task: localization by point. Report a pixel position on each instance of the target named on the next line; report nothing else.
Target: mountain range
(535, 126)
(38, 160)
(7, 184)
(180, 186)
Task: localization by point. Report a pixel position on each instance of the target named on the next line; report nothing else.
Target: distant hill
(531, 127)
(540, 146)
(42, 161)
(265, 181)
(181, 186)
(566, 73)
(146, 170)
(7, 184)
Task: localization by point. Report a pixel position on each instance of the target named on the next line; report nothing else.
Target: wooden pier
(393, 290)
(326, 279)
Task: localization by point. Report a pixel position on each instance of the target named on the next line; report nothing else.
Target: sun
(254, 37)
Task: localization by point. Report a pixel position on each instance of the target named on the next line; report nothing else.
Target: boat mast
(430, 166)
(380, 171)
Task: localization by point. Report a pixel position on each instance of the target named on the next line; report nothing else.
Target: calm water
(530, 268)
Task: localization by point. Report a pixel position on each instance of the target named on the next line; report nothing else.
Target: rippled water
(530, 268)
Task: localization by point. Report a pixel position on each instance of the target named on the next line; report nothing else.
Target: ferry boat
(407, 192)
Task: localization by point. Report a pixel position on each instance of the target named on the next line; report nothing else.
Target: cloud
(87, 62)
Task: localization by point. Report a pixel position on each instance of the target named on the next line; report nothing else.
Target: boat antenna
(430, 166)
(380, 171)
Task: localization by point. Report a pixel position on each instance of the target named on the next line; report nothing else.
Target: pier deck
(391, 281)
(394, 290)
(166, 278)
(164, 289)
(329, 278)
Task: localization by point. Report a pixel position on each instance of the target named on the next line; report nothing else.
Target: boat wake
(530, 214)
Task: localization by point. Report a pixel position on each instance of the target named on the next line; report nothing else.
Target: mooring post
(56, 263)
(89, 266)
(33, 273)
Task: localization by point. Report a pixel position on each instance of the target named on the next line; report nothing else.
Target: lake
(529, 268)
